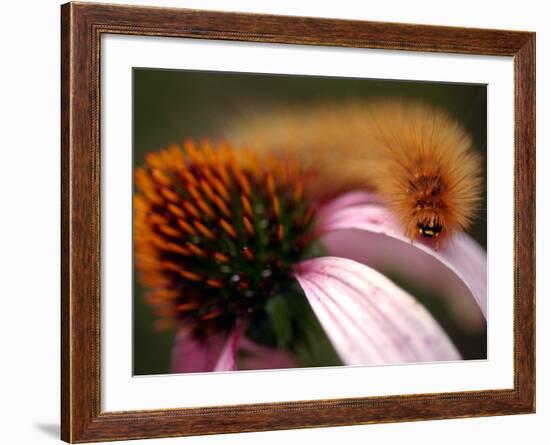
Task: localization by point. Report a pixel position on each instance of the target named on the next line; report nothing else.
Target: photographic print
(288, 221)
(276, 222)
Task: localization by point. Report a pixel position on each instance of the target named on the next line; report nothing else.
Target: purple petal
(368, 319)
(215, 353)
(255, 356)
(191, 354)
(350, 199)
(226, 360)
(460, 264)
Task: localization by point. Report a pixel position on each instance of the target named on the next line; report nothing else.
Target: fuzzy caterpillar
(417, 158)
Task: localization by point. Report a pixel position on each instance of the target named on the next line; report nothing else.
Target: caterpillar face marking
(426, 191)
(429, 230)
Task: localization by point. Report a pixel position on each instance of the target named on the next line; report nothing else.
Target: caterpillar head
(429, 229)
(426, 196)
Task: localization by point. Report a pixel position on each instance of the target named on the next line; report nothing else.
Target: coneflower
(218, 232)
(216, 236)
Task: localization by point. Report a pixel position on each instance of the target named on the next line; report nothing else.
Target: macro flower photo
(292, 221)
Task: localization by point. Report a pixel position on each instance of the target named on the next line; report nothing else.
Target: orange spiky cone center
(216, 232)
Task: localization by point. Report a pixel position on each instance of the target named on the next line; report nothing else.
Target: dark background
(172, 104)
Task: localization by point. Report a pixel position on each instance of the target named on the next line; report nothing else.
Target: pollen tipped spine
(206, 221)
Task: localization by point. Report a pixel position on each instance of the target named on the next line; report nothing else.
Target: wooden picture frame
(82, 25)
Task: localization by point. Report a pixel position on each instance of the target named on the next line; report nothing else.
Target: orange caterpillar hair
(417, 158)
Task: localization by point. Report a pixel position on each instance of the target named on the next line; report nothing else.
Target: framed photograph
(275, 222)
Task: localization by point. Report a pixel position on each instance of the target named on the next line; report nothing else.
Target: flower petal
(457, 258)
(226, 360)
(255, 356)
(216, 353)
(350, 199)
(369, 319)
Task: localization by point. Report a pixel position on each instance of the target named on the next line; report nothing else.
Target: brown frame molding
(82, 25)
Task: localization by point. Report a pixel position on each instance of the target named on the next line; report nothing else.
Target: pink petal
(215, 353)
(369, 319)
(255, 356)
(460, 263)
(226, 360)
(392, 256)
(350, 199)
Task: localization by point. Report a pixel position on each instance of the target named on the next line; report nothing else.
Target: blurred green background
(172, 104)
